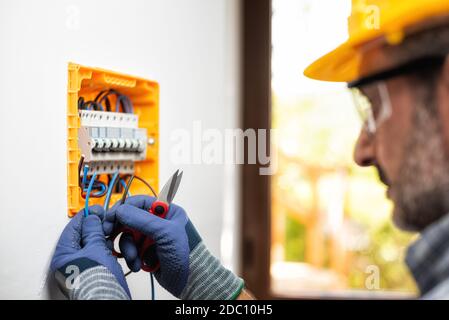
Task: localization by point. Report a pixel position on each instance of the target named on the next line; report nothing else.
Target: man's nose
(364, 152)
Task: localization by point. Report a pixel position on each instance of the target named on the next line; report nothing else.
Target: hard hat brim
(339, 65)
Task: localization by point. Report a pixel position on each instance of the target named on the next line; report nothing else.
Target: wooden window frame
(256, 114)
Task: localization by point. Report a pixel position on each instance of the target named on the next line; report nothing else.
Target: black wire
(128, 185)
(106, 99)
(147, 184)
(125, 193)
(80, 166)
(119, 187)
(84, 105)
(121, 100)
(80, 103)
(107, 102)
(105, 93)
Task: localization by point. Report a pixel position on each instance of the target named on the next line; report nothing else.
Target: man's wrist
(85, 279)
(208, 279)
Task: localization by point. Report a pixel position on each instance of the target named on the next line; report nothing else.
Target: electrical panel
(112, 133)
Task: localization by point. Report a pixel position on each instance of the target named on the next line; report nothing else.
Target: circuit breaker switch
(121, 144)
(114, 137)
(134, 144)
(114, 143)
(107, 144)
(128, 144)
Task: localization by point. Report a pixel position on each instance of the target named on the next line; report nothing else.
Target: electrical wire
(122, 100)
(103, 189)
(97, 185)
(80, 165)
(147, 184)
(125, 193)
(89, 190)
(86, 105)
(128, 185)
(153, 296)
(86, 170)
(123, 183)
(109, 193)
(83, 181)
(107, 102)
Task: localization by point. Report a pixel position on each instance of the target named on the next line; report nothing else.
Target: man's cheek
(388, 155)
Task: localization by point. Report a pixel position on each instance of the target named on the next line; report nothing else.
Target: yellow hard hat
(370, 20)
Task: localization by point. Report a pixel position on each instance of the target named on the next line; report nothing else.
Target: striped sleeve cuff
(208, 279)
(96, 283)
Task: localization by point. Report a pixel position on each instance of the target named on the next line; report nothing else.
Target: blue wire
(126, 103)
(110, 187)
(130, 105)
(90, 106)
(89, 190)
(153, 297)
(117, 105)
(102, 191)
(83, 182)
(123, 183)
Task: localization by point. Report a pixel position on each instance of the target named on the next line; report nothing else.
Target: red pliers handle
(146, 247)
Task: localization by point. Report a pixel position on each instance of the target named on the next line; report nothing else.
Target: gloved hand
(84, 266)
(187, 268)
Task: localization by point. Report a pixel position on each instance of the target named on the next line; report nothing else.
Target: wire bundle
(95, 185)
(121, 102)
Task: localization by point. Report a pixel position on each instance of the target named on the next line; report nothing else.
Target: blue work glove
(187, 268)
(84, 266)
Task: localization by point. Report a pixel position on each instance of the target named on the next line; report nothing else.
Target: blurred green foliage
(295, 244)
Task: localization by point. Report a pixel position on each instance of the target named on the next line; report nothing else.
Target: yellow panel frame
(144, 94)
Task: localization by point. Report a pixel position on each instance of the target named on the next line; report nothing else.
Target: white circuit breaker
(111, 141)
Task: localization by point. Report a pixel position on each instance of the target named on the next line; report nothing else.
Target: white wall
(190, 47)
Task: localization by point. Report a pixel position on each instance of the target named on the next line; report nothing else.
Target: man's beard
(421, 193)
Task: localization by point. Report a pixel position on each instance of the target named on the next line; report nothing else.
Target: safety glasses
(371, 96)
(375, 110)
